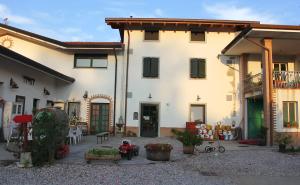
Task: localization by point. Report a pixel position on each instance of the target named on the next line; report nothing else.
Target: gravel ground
(213, 168)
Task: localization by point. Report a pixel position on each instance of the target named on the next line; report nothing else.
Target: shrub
(283, 138)
(49, 133)
(187, 138)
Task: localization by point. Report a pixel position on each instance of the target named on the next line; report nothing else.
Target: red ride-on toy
(128, 150)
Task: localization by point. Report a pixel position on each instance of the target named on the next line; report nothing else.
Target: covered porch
(269, 66)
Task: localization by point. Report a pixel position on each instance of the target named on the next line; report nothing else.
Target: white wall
(9, 69)
(174, 90)
(254, 64)
(93, 80)
(285, 95)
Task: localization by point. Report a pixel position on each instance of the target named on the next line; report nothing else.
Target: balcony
(253, 83)
(286, 79)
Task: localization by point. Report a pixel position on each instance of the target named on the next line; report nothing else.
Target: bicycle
(210, 148)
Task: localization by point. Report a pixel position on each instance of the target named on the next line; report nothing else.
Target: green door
(99, 117)
(255, 109)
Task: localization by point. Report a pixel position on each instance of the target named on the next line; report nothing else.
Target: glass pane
(276, 67)
(197, 113)
(285, 113)
(82, 62)
(151, 35)
(74, 108)
(99, 62)
(283, 67)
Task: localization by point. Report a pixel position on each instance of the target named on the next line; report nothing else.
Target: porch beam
(243, 73)
(267, 60)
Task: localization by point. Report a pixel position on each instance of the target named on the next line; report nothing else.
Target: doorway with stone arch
(99, 113)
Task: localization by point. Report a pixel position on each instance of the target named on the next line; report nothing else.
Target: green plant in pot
(188, 140)
(283, 140)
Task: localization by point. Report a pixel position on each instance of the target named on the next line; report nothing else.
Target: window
(290, 114)
(90, 61)
(197, 68)
(74, 109)
(35, 105)
(49, 103)
(21, 100)
(151, 35)
(280, 67)
(197, 113)
(150, 67)
(197, 36)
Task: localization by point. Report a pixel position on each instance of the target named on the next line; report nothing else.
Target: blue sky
(83, 20)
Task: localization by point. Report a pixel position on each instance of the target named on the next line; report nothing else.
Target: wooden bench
(102, 135)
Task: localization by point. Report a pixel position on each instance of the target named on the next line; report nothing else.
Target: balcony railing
(286, 79)
(253, 83)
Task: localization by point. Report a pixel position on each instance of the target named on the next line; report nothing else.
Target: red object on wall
(23, 118)
(191, 127)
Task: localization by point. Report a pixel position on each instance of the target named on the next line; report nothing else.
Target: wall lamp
(198, 98)
(149, 96)
(46, 92)
(13, 84)
(85, 95)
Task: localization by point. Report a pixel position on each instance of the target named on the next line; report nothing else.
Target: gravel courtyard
(238, 165)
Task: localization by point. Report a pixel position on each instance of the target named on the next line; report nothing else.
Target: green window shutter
(146, 67)
(202, 72)
(194, 68)
(154, 67)
(285, 113)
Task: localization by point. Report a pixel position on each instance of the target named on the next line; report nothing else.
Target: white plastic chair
(72, 136)
(78, 134)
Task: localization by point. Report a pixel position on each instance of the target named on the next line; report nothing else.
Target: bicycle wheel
(207, 149)
(221, 149)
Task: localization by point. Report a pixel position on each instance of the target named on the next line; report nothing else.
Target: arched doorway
(99, 113)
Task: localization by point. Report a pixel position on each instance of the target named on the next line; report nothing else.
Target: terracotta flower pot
(158, 152)
(282, 148)
(188, 149)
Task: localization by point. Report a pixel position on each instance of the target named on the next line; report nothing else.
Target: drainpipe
(115, 90)
(126, 88)
(270, 87)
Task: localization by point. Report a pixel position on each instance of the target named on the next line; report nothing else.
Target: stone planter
(25, 160)
(158, 152)
(90, 157)
(188, 149)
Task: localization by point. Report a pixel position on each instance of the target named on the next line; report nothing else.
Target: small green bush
(49, 134)
(100, 152)
(187, 138)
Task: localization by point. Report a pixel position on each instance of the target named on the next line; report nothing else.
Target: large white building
(162, 74)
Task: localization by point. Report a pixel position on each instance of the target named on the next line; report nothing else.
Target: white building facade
(163, 73)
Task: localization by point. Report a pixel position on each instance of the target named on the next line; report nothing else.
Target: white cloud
(70, 30)
(158, 12)
(231, 11)
(17, 19)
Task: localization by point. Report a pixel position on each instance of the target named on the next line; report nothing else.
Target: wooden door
(99, 118)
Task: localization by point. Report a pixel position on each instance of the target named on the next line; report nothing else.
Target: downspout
(115, 90)
(126, 88)
(270, 87)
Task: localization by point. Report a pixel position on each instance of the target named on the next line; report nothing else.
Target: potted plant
(283, 140)
(158, 151)
(188, 140)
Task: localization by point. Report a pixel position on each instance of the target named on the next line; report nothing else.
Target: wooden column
(243, 73)
(267, 86)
